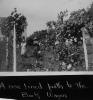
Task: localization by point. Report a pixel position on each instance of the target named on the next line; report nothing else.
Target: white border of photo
(45, 73)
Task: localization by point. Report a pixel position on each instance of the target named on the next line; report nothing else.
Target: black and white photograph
(46, 35)
(46, 49)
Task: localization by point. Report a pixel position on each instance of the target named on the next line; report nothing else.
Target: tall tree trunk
(14, 50)
(85, 48)
(7, 53)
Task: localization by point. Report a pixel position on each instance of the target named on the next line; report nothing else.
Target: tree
(71, 32)
(70, 39)
(62, 45)
(63, 38)
(37, 42)
(7, 28)
(69, 36)
(20, 25)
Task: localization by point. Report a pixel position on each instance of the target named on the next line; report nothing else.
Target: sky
(38, 12)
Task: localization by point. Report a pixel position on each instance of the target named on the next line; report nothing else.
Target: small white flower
(57, 42)
(69, 66)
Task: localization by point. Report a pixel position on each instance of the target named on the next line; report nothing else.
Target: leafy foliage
(7, 29)
(20, 25)
(61, 44)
